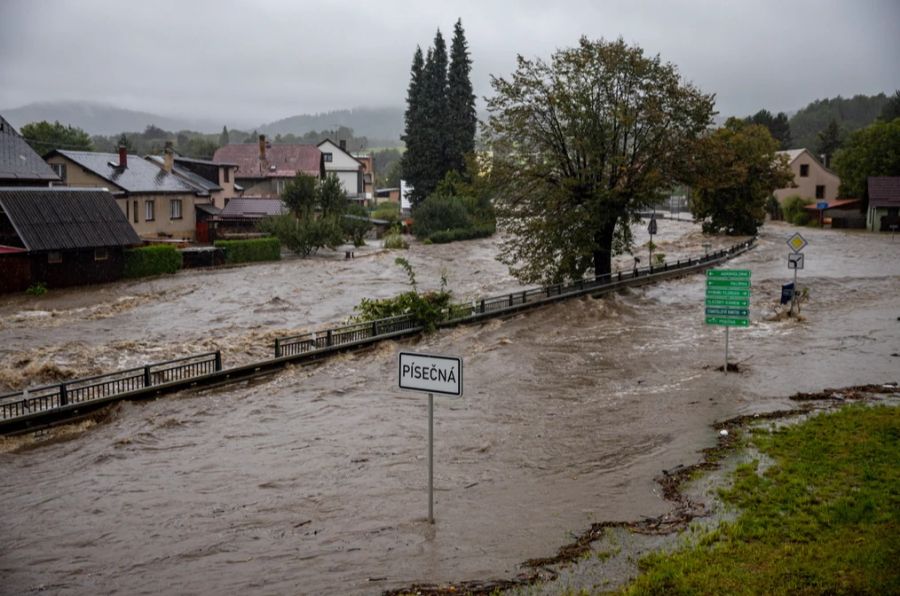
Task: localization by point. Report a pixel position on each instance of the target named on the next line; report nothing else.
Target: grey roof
(209, 209)
(66, 218)
(204, 162)
(201, 185)
(884, 191)
(18, 161)
(253, 208)
(140, 176)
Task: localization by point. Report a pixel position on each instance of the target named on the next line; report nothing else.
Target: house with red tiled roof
(884, 203)
(264, 170)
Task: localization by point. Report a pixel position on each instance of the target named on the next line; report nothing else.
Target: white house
(813, 180)
(347, 168)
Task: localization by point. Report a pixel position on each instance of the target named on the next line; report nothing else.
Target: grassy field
(824, 518)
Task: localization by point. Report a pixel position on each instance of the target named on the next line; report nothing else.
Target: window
(175, 209)
(54, 257)
(149, 211)
(134, 210)
(101, 254)
(227, 174)
(327, 157)
(804, 170)
(60, 170)
(820, 191)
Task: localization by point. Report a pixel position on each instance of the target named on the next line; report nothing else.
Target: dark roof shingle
(66, 218)
(18, 161)
(884, 191)
(253, 208)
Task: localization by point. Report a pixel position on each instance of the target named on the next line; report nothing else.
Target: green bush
(395, 241)
(428, 308)
(304, 236)
(387, 211)
(245, 251)
(793, 210)
(356, 229)
(474, 231)
(438, 213)
(152, 260)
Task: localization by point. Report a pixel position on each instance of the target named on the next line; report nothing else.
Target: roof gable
(140, 176)
(66, 218)
(341, 159)
(18, 161)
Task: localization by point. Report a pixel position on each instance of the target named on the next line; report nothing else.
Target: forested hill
(378, 124)
(850, 114)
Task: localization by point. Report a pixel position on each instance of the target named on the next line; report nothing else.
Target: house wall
(806, 185)
(877, 216)
(162, 225)
(268, 187)
(345, 166)
(77, 268)
(16, 270)
(78, 176)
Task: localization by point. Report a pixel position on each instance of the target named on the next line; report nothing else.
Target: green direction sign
(727, 293)
(729, 273)
(727, 283)
(733, 302)
(728, 297)
(728, 321)
(727, 312)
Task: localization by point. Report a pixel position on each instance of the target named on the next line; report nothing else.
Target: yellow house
(814, 181)
(158, 204)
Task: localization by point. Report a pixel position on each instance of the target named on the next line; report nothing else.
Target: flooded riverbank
(313, 481)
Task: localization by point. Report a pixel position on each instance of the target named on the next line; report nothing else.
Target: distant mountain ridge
(101, 119)
(374, 123)
(104, 119)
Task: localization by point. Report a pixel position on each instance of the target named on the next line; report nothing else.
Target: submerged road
(313, 481)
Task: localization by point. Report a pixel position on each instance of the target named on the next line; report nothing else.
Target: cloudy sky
(254, 61)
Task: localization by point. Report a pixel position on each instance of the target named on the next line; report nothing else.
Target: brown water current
(313, 481)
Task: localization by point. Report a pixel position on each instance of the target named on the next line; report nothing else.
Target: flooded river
(314, 480)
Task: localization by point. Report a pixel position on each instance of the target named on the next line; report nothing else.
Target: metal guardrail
(77, 391)
(19, 409)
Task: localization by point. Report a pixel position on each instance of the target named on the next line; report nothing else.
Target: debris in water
(723, 433)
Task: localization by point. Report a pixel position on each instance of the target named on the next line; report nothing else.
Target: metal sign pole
(794, 293)
(726, 349)
(430, 458)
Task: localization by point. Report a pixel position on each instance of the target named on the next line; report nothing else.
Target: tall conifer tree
(461, 115)
(411, 163)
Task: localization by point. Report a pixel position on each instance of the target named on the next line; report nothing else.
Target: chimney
(123, 157)
(343, 144)
(168, 157)
(262, 147)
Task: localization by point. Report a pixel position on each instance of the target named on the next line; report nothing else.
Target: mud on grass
(730, 436)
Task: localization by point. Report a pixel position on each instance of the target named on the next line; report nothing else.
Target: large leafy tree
(317, 209)
(461, 117)
(872, 151)
(580, 145)
(736, 170)
(45, 137)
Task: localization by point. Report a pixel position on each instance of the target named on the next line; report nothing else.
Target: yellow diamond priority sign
(797, 242)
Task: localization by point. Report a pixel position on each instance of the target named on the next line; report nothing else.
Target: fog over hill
(104, 119)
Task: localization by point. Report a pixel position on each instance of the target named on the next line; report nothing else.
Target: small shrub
(428, 308)
(474, 231)
(660, 258)
(246, 251)
(356, 229)
(395, 241)
(793, 210)
(155, 259)
(387, 211)
(439, 213)
(38, 289)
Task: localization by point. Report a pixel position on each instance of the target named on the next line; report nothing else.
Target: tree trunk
(603, 240)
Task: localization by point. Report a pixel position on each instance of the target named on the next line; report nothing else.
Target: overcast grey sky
(257, 61)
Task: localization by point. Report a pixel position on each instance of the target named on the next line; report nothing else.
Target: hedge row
(152, 260)
(245, 251)
(476, 231)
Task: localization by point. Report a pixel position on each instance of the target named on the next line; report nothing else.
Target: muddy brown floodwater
(314, 480)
